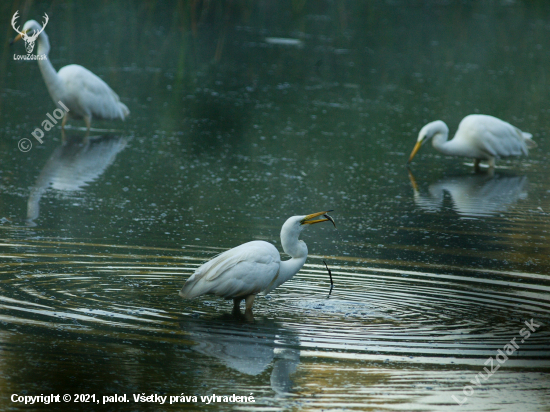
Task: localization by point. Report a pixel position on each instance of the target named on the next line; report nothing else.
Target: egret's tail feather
(124, 110)
(528, 139)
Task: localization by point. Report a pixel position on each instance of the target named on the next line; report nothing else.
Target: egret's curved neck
(439, 142)
(289, 268)
(453, 147)
(51, 78)
(297, 250)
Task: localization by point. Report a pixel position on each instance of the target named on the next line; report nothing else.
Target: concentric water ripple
(395, 338)
(377, 314)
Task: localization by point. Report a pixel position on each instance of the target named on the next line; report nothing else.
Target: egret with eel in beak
(254, 267)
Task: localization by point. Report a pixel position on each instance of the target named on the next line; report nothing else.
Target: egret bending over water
(479, 136)
(253, 267)
(81, 91)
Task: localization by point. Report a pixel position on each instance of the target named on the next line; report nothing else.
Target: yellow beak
(415, 150)
(306, 220)
(18, 37)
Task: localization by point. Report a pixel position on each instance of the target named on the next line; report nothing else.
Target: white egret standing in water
(82, 92)
(479, 136)
(253, 267)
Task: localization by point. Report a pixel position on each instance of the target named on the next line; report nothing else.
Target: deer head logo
(29, 40)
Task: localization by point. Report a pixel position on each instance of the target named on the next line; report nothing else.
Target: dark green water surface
(244, 113)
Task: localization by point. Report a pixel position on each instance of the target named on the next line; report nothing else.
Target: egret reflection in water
(72, 166)
(472, 195)
(248, 348)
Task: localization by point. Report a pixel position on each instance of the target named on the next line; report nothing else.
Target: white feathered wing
(245, 270)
